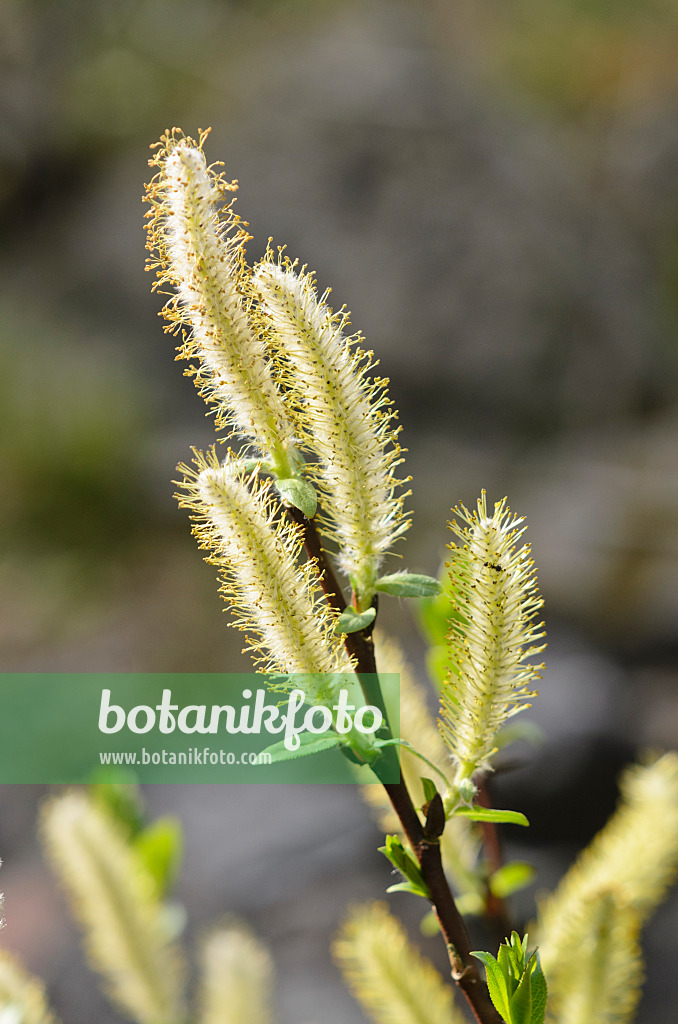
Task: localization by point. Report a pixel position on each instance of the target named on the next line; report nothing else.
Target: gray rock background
(493, 194)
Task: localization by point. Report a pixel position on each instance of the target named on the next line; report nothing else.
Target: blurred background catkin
(491, 188)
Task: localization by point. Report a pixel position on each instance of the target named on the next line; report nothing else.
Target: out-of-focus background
(491, 188)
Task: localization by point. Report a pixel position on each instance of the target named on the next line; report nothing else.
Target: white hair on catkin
(278, 601)
(199, 246)
(344, 418)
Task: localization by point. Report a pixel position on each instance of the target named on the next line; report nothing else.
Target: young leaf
(411, 887)
(351, 621)
(437, 665)
(517, 985)
(521, 1001)
(114, 790)
(249, 466)
(470, 904)
(408, 584)
(300, 493)
(496, 982)
(492, 814)
(160, 848)
(429, 926)
(401, 859)
(539, 991)
(429, 788)
(434, 614)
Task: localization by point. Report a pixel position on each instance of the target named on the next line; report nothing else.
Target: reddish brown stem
(315, 550)
(426, 848)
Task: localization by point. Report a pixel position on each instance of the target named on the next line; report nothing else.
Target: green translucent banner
(198, 727)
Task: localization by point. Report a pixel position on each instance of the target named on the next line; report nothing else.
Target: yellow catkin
(387, 974)
(287, 624)
(22, 996)
(344, 418)
(492, 636)
(198, 246)
(237, 978)
(600, 980)
(126, 929)
(635, 855)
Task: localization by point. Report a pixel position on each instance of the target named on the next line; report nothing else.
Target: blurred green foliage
(581, 57)
(70, 423)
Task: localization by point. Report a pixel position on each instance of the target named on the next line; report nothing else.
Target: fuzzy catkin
(199, 246)
(635, 855)
(343, 418)
(22, 996)
(126, 928)
(492, 635)
(236, 978)
(601, 978)
(386, 973)
(286, 622)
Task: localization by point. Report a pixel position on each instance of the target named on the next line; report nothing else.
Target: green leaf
(521, 1001)
(300, 493)
(160, 848)
(539, 992)
(309, 743)
(517, 985)
(512, 972)
(429, 788)
(401, 859)
(528, 1004)
(510, 878)
(496, 983)
(113, 790)
(408, 584)
(410, 887)
(492, 814)
(351, 621)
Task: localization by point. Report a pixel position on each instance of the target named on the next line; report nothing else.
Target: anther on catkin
(198, 244)
(343, 416)
(288, 626)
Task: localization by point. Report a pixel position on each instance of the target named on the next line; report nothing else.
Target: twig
(315, 550)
